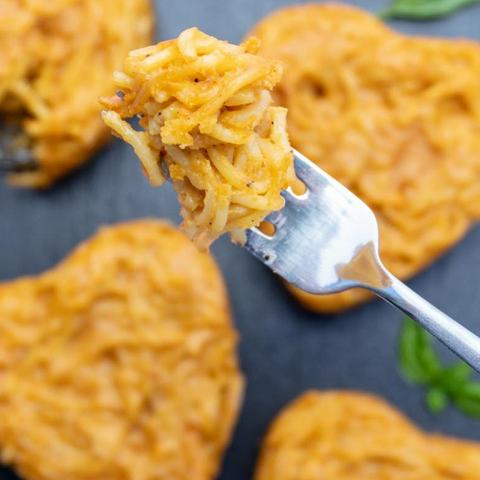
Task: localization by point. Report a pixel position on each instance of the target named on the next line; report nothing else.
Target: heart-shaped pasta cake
(395, 118)
(355, 436)
(120, 363)
(56, 59)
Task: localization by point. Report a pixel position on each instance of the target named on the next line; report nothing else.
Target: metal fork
(326, 241)
(15, 148)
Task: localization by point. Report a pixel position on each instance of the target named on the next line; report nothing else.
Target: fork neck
(366, 269)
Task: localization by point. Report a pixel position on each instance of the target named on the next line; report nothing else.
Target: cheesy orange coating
(205, 107)
(56, 59)
(395, 118)
(341, 435)
(120, 363)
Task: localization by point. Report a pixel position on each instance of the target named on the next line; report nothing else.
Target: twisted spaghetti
(205, 107)
(56, 59)
(394, 118)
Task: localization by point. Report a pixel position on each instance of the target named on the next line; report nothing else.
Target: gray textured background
(285, 349)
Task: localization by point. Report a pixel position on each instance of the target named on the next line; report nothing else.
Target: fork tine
(275, 217)
(305, 170)
(290, 197)
(312, 175)
(260, 245)
(15, 148)
(17, 163)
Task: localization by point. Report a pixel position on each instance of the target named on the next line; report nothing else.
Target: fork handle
(455, 336)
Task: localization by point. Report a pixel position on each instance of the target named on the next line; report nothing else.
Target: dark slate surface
(285, 349)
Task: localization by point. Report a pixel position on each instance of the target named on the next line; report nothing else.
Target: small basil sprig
(424, 9)
(420, 363)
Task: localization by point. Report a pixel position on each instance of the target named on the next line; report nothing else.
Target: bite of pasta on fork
(209, 126)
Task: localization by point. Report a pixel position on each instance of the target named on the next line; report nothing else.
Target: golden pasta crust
(205, 107)
(394, 118)
(56, 59)
(341, 435)
(120, 363)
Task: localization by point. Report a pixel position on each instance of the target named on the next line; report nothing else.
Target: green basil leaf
(436, 400)
(428, 356)
(453, 378)
(470, 390)
(424, 9)
(418, 361)
(410, 363)
(467, 399)
(468, 406)
(420, 364)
